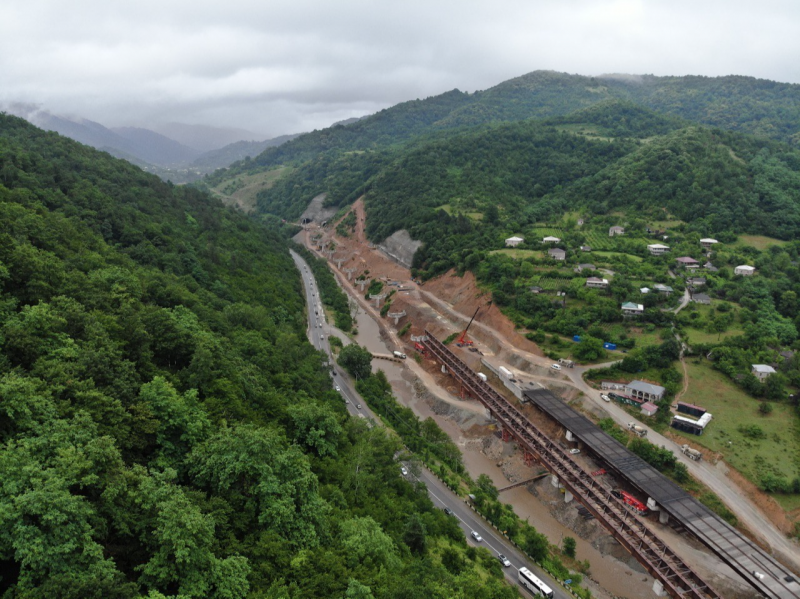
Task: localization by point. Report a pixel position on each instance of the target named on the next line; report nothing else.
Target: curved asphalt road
(441, 496)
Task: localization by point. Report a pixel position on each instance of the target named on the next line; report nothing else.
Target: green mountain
(745, 104)
(165, 428)
(460, 191)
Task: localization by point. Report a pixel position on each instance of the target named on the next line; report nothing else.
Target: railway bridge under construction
(671, 573)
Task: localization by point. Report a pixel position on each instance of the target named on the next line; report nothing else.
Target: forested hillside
(165, 428)
(760, 107)
(466, 191)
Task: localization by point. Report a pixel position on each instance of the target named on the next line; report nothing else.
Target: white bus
(528, 580)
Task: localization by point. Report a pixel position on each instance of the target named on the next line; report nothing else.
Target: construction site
(521, 439)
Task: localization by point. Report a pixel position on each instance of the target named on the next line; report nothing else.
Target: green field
(519, 254)
(243, 189)
(760, 242)
(551, 284)
(778, 452)
(538, 233)
(617, 255)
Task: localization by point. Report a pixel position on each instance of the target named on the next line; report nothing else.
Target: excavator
(462, 340)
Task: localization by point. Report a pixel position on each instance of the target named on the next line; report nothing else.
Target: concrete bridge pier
(567, 496)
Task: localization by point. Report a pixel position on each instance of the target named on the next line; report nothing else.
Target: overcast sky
(282, 66)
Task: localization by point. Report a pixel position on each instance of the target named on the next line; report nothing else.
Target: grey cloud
(285, 66)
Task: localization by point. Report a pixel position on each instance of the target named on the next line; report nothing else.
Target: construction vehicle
(399, 354)
(419, 347)
(692, 454)
(462, 340)
(637, 430)
(631, 502)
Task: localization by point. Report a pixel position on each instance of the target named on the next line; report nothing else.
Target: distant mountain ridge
(153, 151)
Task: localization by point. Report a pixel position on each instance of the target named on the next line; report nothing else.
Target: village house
(645, 391)
(586, 248)
(696, 281)
(557, 254)
(596, 283)
(535, 289)
(551, 239)
(616, 230)
(708, 243)
(710, 267)
(581, 267)
(656, 249)
(665, 289)
(631, 309)
(744, 270)
(644, 290)
(762, 371)
(686, 262)
(513, 242)
(701, 298)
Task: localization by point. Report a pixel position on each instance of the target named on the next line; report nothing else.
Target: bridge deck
(732, 547)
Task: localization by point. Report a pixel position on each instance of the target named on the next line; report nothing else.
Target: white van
(555, 366)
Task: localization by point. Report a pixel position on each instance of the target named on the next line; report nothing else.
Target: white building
(557, 254)
(513, 242)
(657, 249)
(631, 309)
(744, 270)
(646, 391)
(708, 243)
(762, 371)
(551, 239)
(597, 283)
(616, 230)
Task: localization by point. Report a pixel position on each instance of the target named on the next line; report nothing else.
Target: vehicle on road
(529, 580)
(337, 388)
(555, 366)
(637, 430)
(605, 397)
(574, 451)
(448, 511)
(399, 354)
(478, 538)
(404, 470)
(503, 560)
(322, 336)
(358, 406)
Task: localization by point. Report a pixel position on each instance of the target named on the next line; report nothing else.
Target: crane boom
(461, 340)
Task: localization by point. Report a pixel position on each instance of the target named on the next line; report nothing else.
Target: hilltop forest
(165, 428)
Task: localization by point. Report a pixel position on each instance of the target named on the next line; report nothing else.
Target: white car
(404, 470)
(503, 560)
(574, 451)
(605, 397)
(478, 538)
(337, 388)
(555, 366)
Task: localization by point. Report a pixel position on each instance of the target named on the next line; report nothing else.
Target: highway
(440, 495)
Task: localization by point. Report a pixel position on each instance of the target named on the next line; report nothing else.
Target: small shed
(744, 270)
(649, 408)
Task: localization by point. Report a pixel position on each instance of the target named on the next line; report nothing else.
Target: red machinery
(462, 340)
(631, 501)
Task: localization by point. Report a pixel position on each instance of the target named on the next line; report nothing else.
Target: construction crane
(462, 340)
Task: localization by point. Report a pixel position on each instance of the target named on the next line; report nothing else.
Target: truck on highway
(692, 454)
(637, 430)
(482, 376)
(505, 372)
(398, 354)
